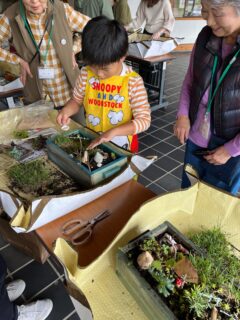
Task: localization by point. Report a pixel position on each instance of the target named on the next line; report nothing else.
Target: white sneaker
(38, 310)
(15, 289)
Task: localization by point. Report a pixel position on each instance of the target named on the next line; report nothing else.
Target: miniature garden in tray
(197, 279)
(70, 152)
(76, 145)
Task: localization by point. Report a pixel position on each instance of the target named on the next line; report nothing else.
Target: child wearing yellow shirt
(113, 96)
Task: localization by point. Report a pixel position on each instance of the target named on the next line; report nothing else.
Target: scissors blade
(100, 216)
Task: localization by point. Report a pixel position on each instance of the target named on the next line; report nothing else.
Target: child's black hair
(104, 41)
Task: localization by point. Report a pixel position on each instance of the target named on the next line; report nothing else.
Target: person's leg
(194, 161)
(7, 309)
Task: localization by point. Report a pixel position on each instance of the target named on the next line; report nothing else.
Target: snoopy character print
(107, 105)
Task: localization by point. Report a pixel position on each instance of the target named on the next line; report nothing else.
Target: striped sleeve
(139, 104)
(5, 35)
(80, 86)
(76, 20)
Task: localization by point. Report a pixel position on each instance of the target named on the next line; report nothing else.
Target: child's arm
(69, 110)
(73, 105)
(123, 130)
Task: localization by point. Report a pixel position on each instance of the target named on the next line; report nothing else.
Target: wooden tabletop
(122, 202)
(162, 58)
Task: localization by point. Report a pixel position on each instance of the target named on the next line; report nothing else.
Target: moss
(22, 134)
(29, 176)
(220, 267)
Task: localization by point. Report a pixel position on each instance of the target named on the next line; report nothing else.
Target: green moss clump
(68, 144)
(29, 176)
(220, 266)
(22, 134)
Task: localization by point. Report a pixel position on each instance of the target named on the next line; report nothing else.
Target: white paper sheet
(13, 85)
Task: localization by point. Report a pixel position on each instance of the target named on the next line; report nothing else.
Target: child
(113, 96)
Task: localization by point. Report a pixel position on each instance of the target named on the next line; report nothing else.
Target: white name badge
(45, 73)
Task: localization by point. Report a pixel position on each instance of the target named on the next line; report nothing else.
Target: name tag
(45, 73)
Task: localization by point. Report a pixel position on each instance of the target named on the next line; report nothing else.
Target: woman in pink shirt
(209, 109)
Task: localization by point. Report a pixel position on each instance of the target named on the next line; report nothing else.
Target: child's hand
(69, 110)
(63, 118)
(104, 137)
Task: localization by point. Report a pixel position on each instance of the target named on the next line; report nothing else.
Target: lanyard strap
(44, 55)
(29, 30)
(223, 75)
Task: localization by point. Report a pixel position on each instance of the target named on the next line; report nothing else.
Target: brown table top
(162, 58)
(122, 202)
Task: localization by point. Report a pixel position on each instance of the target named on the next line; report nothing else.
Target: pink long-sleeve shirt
(232, 146)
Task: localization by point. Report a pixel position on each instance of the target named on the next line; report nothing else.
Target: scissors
(80, 231)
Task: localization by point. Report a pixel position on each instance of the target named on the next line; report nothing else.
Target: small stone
(145, 260)
(214, 313)
(65, 127)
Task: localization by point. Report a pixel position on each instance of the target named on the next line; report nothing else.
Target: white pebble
(65, 127)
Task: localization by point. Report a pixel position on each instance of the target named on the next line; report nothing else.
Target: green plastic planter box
(79, 172)
(147, 298)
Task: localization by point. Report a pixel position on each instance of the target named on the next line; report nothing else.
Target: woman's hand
(74, 62)
(161, 32)
(218, 156)
(104, 137)
(25, 71)
(182, 128)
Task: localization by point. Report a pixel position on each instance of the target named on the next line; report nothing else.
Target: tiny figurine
(98, 158)
(85, 158)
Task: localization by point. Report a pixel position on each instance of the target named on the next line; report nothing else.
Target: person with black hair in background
(114, 97)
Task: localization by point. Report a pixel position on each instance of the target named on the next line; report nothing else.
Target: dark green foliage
(152, 246)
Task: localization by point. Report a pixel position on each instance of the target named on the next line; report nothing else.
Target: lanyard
(27, 26)
(223, 75)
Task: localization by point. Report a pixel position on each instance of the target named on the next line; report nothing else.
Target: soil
(57, 183)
